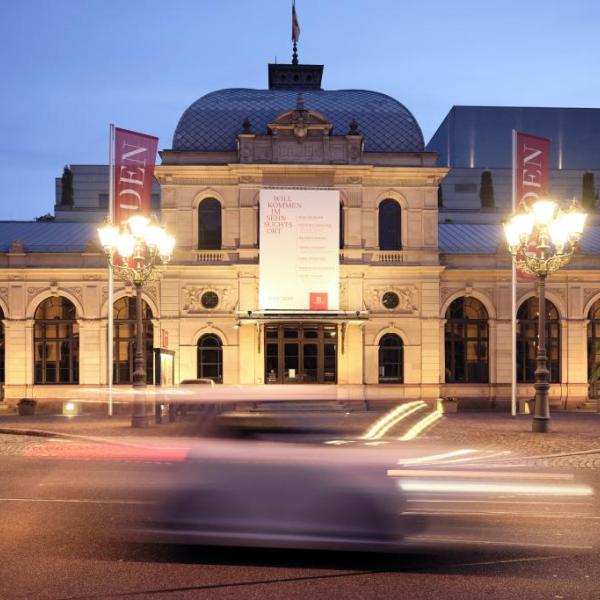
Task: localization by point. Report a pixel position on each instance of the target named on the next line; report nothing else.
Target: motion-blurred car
(278, 495)
(392, 498)
(254, 419)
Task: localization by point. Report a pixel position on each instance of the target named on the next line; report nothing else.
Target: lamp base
(140, 421)
(540, 425)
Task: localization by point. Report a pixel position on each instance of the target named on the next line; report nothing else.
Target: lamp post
(542, 238)
(138, 252)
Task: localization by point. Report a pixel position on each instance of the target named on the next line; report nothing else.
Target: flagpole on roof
(295, 34)
(111, 216)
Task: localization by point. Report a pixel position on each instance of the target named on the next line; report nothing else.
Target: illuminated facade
(424, 307)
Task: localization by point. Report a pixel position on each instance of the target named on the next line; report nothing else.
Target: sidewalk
(92, 426)
(570, 432)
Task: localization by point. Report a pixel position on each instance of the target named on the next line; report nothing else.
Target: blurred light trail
(474, 474)
(107, 452)
(421, 425)
(481, 456)
(391, 419)
(435, 457)
(464, 487)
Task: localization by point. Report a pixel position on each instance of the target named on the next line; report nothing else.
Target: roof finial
(295, 34)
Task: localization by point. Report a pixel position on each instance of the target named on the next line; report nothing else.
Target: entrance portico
(296, 347)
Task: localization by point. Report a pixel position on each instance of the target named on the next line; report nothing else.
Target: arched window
(390, 225)
(342, 242)
(2, 355)
(56, 342)
(391, 359)
(209, 224)
(466, 342)
(125, 331)
(593, 344)
(527, 332)
(210, 358)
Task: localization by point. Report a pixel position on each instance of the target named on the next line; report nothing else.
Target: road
(57, 543)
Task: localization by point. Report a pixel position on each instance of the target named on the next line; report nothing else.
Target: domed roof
(213, 122)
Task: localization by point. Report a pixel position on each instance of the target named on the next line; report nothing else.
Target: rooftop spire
(295, 76)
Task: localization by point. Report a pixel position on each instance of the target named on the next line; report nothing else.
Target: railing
(389, 256)
(347, 255)
(204, 256)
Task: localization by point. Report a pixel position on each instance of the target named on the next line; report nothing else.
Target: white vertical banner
(299, 249)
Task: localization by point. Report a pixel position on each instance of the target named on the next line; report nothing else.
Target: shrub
(588, 193)
(486, 190)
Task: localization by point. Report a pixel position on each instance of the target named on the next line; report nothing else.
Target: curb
(36, 432)
(57, 434)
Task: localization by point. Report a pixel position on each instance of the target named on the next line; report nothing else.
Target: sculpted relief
(202, 299)
(404, 299)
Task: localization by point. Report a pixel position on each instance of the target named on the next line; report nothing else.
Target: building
(424, 308)
(90, 194)
(473, 139)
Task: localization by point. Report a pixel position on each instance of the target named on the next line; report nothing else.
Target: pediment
(300, 123)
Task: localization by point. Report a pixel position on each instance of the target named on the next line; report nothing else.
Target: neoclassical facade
(425, 307)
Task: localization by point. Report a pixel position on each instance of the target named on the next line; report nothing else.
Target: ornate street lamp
(138, 252)
(542, 238)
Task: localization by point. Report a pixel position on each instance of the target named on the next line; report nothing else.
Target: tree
(588, 193)
(440, 197)
(66, 198)
(486, 190)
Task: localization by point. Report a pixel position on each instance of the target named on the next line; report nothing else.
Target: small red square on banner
(318, 300)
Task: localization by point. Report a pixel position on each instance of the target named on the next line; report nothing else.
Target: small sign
(318, 301)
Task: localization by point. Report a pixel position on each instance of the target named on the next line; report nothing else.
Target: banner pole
(513, 303)
(110, 328)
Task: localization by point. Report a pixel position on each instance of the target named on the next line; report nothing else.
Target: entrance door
(300, 353)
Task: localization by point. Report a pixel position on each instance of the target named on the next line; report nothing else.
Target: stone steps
(589, 406)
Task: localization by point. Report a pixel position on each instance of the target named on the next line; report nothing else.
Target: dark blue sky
(70, 67)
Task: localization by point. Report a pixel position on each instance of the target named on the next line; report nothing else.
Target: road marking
(506, 561)
(508, 544)
(75, 500)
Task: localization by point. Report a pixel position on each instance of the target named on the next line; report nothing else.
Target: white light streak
(421, 425)
(471, 487)
(435, 457)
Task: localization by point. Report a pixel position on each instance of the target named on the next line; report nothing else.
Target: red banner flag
(532, 168)
(531, 173)
(134, 156)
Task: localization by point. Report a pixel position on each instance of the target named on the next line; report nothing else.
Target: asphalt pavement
(57, 544)
(61, 523)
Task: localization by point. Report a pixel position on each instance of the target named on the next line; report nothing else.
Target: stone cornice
(258, 175)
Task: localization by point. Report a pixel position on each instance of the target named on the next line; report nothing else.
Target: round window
(209, 299)
(390, 300)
